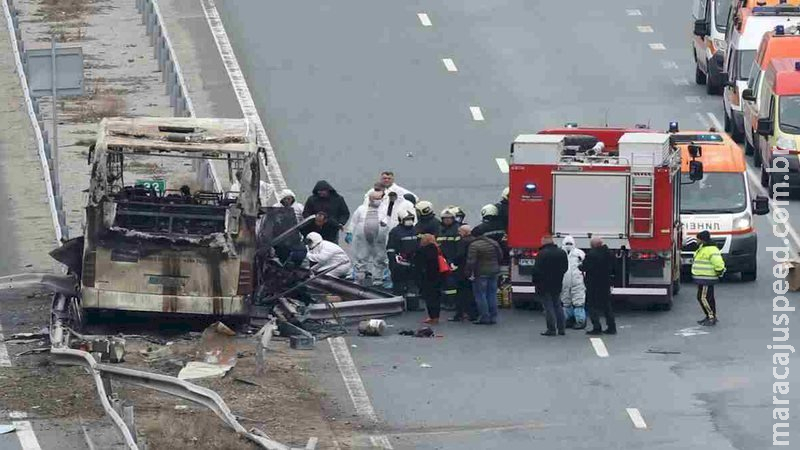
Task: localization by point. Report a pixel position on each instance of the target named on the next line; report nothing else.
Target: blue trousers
(485, 290)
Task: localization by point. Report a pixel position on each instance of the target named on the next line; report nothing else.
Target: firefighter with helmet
(402, 244)
(502, 208)
(707, 269)
(448, 239)
(459, 214)
(492, 227)
(426, 219)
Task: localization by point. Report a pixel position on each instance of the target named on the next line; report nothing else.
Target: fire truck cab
(617, 184)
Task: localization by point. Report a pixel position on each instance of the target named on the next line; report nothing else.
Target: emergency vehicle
(621, 185)
(743, 41)
(781, 43)
(721, 202)
(708, 43)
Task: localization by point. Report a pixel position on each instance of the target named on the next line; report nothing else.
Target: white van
(708, 43)
(743, 42)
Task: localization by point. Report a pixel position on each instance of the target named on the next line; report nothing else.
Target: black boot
(595, 332)
(610, 331)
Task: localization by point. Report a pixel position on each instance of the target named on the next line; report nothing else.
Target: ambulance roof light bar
(780, 10)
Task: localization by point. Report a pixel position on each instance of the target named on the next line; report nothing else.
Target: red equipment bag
(444, 266)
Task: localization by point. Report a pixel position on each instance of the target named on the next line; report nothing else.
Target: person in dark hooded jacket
(324, 198)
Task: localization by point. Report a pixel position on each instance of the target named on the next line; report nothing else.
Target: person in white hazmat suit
(325, 255)
(573, 291)
(287, 199)
(368, 232)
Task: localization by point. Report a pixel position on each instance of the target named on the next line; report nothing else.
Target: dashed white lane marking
(5, 361)
(669, 64)
(633, 12)
(657, 46)
(477, 115)
(636, 418)
(703, 120)
(502, 164)
(450, 65)
(24, 431)
(355, 387)
(680, 81)
(599, 347)
(644, 29)
(424, 19)
(692, 99)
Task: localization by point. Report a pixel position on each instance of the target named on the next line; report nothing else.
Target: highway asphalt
(353, 87)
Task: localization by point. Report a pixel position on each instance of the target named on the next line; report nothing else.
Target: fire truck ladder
(641, 201)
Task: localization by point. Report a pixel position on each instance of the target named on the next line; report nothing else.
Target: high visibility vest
(708, 264)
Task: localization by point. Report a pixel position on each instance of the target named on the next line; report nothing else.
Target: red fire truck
(622, 185)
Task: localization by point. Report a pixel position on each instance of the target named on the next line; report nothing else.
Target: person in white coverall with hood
(287, 199)
(573, 291)
(368, 232)
(326, 254)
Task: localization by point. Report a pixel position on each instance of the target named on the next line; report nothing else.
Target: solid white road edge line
(27, 439)
(449, 65)
(355, 387)
(477, 115)
(756, 180)
(716, 122)
(636, 418)
(633, 12)
(5, 361)
(599, 347)
(502, 164)
(424, 19)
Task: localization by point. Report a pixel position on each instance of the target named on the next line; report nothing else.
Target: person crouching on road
(707, 268)
(368, 231)
(599, 269)
(483, 265)
(573, 291)
(325, 254)
(548, 273)
(426, 265)
(466, 307)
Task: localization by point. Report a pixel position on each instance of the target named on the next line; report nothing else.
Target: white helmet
(489, 210)
(403, 214)
(313, 239)
(424, 208)
(505, 194)
(447, 212)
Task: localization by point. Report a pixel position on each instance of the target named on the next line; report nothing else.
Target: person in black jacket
(427, 223)
(465, 297)
(322, 225)
(493, 228)
(402, 244)
(599, 268)
(426, 267)
(325, 198)
(448, 239)
(548, 273)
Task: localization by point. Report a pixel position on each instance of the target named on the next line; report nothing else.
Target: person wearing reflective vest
(707, 268)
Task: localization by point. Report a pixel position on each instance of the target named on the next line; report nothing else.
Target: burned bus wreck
(155, 240)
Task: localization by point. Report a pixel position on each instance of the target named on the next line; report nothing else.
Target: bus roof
(785, 73)
(210, 137)
(719, 152)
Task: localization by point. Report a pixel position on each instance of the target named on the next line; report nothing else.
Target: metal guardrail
(54, 200)
(172, 76)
